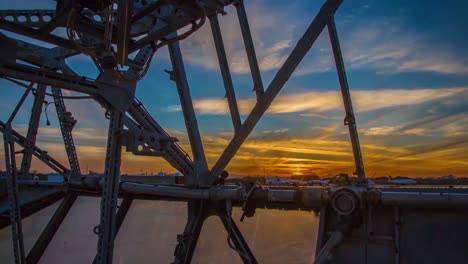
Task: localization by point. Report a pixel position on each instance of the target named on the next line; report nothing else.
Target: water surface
(149, 233)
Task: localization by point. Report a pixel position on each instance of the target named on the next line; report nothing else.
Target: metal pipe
(309, 196)
(332, 243)
(281, 195)
(214, 193)
(42, 183)
(424, 199)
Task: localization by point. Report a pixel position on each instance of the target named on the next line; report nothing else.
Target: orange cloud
(280, 152)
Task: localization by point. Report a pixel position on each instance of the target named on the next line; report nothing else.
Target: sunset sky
(407, 67)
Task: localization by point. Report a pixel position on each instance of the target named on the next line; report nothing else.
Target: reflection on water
(274, 236)
(149, 234)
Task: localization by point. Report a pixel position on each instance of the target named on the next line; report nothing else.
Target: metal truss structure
(121, 37)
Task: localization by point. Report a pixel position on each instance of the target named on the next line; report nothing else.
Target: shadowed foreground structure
(358, 222)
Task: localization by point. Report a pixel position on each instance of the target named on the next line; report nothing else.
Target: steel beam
(31, 207)
(201, 172)
(26, 28)
(51, 228)
(41, 56)
(249, 48)
(124, 207)
(237, 238)
(35, 34)
(350, 119)
(32, 129)
(187, 242)
(174, 153)
(281, 77)
(37, 152)
(13, 199)
(224, 67)
(49, 77)
(107, 226)
(66, 127)
(60, 18)
(20, 103)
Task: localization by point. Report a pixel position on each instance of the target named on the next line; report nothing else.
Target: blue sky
(407, 67)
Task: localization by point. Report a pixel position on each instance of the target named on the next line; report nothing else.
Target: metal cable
(77, 97)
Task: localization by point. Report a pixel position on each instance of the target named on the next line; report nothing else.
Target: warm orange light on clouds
(277, 153)
(409, 92)
(392, 141)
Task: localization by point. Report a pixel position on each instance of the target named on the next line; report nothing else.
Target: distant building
(448, 177)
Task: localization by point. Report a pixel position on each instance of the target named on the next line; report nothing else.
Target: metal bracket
(146, 143)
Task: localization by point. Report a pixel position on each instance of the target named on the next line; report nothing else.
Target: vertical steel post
(201, 171)
(121, 214)
(13, 199)
(66, 126)
(224, 67)
(249, 48)
(32, 130)
(350, 119)
(106, 228)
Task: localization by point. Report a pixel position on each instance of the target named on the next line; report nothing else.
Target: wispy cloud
(280, 130)
(392, 130)
(382, 45)
(272, 47)
(386, 46)
(323, 101)
(287, 154)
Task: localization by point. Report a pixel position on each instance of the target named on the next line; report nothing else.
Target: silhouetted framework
(121, 37)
